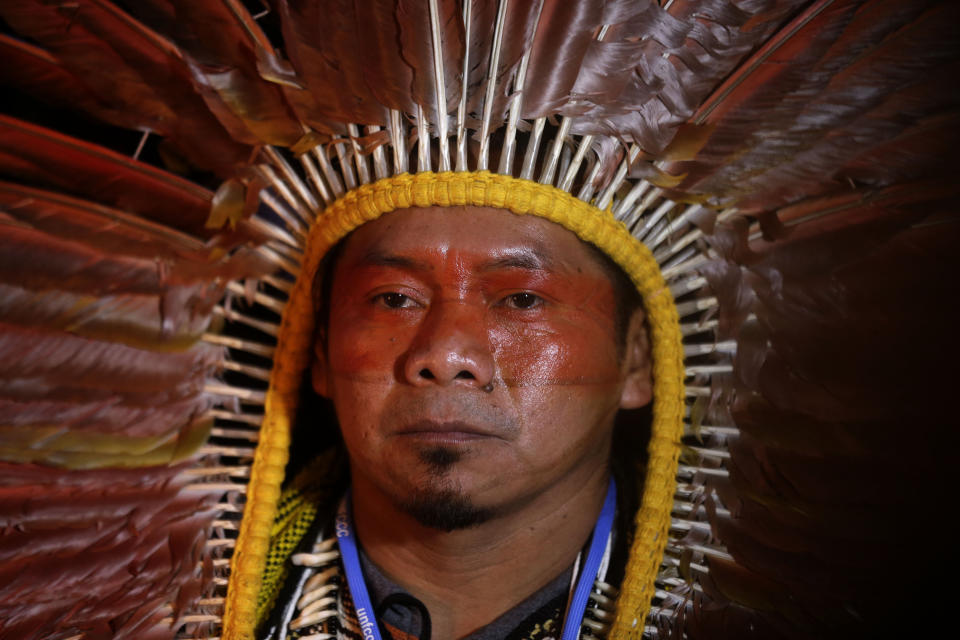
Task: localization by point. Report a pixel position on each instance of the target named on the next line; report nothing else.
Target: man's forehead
(495, 238)
(530, 258)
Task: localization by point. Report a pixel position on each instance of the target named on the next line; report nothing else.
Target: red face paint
(478, 333)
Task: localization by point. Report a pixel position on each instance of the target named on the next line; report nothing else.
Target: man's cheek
(359, 411)
(370, 356)
(532, 356)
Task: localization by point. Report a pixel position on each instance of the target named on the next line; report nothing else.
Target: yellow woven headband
(294, 348)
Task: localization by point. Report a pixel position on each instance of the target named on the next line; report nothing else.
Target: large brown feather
(222, 52)
(824, 99)
(97, 552)
(836, 381)
(123, 63)
(41, 156)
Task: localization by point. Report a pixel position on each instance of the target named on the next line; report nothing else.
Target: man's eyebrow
(378, 258)
(529, 259)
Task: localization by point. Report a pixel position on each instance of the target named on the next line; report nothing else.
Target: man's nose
(451, 347)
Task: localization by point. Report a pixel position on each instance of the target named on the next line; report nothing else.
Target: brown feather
(222, 46)
(416, 48)
(814, 114)
(321, 40)
(652, 68)
(836, 377)
(141, 321)
(562, 37)
(98, 250)
(64, 362)
(41, 156)
(97, 552)
(135, 416)
(36, 72)
(124, 64)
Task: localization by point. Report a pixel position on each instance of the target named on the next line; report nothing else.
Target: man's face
(474, 363)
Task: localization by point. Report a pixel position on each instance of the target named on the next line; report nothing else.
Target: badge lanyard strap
(598, 544)
(578, 604)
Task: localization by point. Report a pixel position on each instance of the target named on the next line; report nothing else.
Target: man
(476, 363)
(477, 336)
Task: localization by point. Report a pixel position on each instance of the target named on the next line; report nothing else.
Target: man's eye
(523, 301)
(394, 300)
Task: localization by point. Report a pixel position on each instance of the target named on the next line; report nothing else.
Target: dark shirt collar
(408, 619)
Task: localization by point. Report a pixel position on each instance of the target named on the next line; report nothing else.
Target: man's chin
(437, 499)
(444, 510)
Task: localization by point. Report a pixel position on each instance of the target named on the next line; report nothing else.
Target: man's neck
(469, 577)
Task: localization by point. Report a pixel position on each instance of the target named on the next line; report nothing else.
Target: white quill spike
(291, 252)
(283, 262)
(363, 171)
(343, 154)
(379, 159)
(553, 156)
(630, 219)
(491, 86)
(423, 142)
(684, 262)
(293, 223)
(662, 255)
(399, 137)
(510, 138)
(315, 178)
(462, 107)
(533, 145)
(268, 328)
(660, 211)
(566, 155)
(292, 178)
(320, 153)
(280, 186)
(657, 228)
(574, 167)
(250, 346)
(274, 302)
(282, 240)
(439, 87)
(675, 225)
(547, 176)
(635, 194)
(607, 195)
(586, 191)
(278, 283)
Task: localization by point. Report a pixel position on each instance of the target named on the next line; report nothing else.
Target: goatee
(444, 508)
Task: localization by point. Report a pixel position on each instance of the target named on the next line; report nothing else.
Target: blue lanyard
(578, 604)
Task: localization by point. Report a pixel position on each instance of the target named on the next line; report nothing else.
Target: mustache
(453, 412)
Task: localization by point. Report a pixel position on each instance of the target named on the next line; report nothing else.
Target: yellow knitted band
(294, 348)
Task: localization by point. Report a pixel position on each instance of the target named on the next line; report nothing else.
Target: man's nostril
(426, 374)
(465, 375)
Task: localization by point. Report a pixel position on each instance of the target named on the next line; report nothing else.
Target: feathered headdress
(773, 174)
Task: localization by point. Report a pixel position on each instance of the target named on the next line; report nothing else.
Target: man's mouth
(454, 432)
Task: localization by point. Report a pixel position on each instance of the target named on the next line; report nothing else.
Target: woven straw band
(294, 348)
